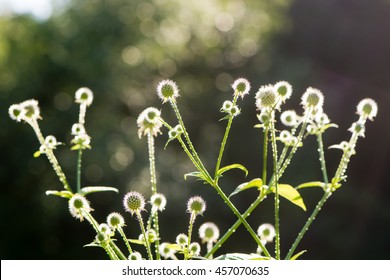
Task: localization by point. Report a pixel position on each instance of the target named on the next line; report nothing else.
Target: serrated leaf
(296, 256)
(291, 194)
(311, 185)
(93, 189)
(255, 183)
(232, 166)
(64, 194)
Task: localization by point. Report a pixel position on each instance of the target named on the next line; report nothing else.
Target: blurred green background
(122, 49)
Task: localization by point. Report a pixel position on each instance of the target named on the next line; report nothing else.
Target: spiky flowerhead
(209, 232)
(284, 90)
(289, 118)
(182, 239)
(158, 202)
(359, 128)
(27, 110)
(84, 96)
(167, 90)
(149, 122)
(241, 87)
(115, 220)
(267, 98)
(367, 108)
(78, 206)
(134, 202)
(194, 249)
(166, 251)
(196, 205)
(312, 98)
(266, 232)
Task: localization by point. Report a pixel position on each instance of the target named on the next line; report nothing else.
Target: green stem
(152, 164)
(121, 232)
(79, 158)
(117, 251)
(157, 229)
(305, 228)
(265, 155)
(190, 226)
(147, 244)
(322, 158)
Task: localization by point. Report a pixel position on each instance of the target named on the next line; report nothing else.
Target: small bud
(133, 202)
(167, 90)
(227, 106)
(15, 112)
(115, 220)
(101, 237)
(84, 96)
(105, 228)
(235, 111)
(196, 205)
(241, 87)
(209, 232)
(151, 235)
(135, 256)
(285, 136)
(289, 118)
(158, 202)
(265, 116)
(266, 232)
(77, 129)
(167, 252)
(182, 239)
(194, 249)
(358, 127)
(367, 108)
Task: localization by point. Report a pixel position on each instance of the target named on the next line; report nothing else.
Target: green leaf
(196, 174)
(240, 256)
(65, 194)
(37, 154)
(290, 194)
(88, 190)
(232, 166)
(175, 247)
(255, 183)
(136, 241)
(311, 184)
(296, 256)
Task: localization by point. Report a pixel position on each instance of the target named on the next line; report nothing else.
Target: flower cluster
(149, 122)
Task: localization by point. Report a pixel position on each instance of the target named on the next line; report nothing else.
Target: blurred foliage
(122, 49)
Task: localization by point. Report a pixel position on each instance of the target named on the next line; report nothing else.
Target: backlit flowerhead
(158, 202)
(209, 232)
(284, 90)
(15, 112)
(167, 90)
(27, 110)
(367, 108)
(135, 256)
(182, 239)
(149, 122)
(266, 98)
(312, 98)
(266, 232)
(241, 87)
(84, 96)
(194, 249)
(78, 206)
(358, 128)
(77, 129)
(196, 205)
(134, 202)
(289, 118)
(115, 220)
(166, 251)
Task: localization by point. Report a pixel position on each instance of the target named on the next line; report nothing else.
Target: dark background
(122, 49)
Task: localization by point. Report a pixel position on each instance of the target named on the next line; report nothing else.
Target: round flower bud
(30, 110)
(51, 142)
(266, 232)
(101, 237)
(182, 239)
(358, 127)
(266, 97)
(284, 90)
(227, 106)
(78, 204)
(158, 202)
(167, 90)
(285, 136)
(166, 252)
(265, 116)
(209, 232)
(312, 98)
(322, 119)
(289, 118)
(241, 87)
(194, 248)
(367, 108)
(105, 228)
(151, 234)
(196, 205)
(133, 202)
(179, 129)
(77, 129)
(149, 122)
(115, 220)
(83, 140)
(135, 256)
(235, 111)
(84, 96)
(15, 112)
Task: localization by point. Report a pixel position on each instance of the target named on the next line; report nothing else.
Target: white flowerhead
(134, 202)
(15, 112)
(367, 108)
(78, 206)
(196, 205)
(285, 136)
(167, 90)
(149, 122)
(289, 118)
(182, 239)
(209, 232)
(77, 129)
(312, 98)
(266, 232)
(115, 220)
(241, 87)
(158, 202)
(166, 251)
(267, 98)
(135, 256)
(358, 128)
(104, 228)
(51, 142)
(283, 89)
(194, 249)
(84, 96)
